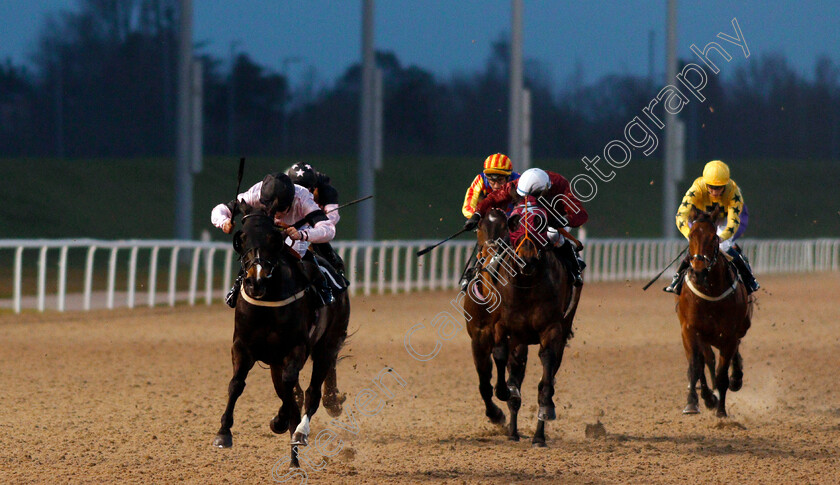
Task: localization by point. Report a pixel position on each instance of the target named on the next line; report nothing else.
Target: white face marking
(303, 427)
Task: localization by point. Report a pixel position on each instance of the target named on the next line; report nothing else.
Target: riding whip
(238, 184)
(426, 250)
(666, 267)
(349, 203)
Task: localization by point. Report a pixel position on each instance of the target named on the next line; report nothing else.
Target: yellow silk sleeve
(689, 199)
(733, 214)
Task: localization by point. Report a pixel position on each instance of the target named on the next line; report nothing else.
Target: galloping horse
(279, 322)
(481, 310)
(714, 310)
(538, 306)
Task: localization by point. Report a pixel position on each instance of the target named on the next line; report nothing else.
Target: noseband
(247, 263)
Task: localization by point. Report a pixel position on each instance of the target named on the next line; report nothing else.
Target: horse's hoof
(721, 413)
(735, 384)
(333, 404)
(223, 441)
(538, 444)
(496, 416)
(513, 437)
(300, 439)
(691, 409)
(502, 393)
(277, 426)
(546, 414)
(711, 402)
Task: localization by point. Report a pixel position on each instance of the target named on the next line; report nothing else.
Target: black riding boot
(320, 280)
(233, 294)
(676, 281)
(569, 256)
(326, 251)
(743, 266)
(469, 272)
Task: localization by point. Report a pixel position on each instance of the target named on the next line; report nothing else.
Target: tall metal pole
(183, 175)
(515, 95)
(366, 152)
(669, 190)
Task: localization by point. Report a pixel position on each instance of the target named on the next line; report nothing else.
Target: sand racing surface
(135, 396)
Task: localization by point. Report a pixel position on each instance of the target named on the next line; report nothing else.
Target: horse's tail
(573, 302)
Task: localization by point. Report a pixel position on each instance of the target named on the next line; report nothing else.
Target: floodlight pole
(366, 131)
(515, 115)
(670, 169)
(183, 175)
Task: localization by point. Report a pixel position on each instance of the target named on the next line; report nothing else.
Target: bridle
(710, 262)
(247, 263)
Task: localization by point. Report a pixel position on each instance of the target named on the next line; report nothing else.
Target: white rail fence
(106, 274)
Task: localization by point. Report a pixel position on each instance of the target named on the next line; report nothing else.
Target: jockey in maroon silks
(553, 193)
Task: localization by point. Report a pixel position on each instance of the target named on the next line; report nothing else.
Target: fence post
(132, 275)
(62, 277)
(18, 278)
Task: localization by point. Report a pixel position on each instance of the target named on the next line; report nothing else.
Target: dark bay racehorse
(278, 321)
(714, 311)
(538, 306)
(482, 313)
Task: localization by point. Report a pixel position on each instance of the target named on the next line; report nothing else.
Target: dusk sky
(447, 37)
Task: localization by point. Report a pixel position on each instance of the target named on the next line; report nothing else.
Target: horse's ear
(716, 213)
(513, 222)
(693, 214)
(237, 241)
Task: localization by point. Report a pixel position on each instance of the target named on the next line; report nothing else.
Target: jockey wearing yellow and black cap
(714, 189)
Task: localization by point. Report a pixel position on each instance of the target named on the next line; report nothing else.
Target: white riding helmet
(532, 181)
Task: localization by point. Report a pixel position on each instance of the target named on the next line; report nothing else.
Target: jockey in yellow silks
(715, 188)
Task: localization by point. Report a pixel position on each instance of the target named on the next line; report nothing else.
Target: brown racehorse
(714, 310)
(280, 322)
(482, 313)
(538, 306)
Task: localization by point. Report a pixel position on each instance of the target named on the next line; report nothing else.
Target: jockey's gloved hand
(472, 222)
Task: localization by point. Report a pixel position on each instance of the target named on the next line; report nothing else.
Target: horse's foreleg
(285, 378)
(552, 346)
(500, 357)
(484, 368)
(333, 399)
(737, 379)
(516, 365)
(695, 370)
(722, 379)
(708, 396)
(242, 364)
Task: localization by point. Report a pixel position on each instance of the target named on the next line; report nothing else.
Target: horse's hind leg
(516, 363)
(484, 368)
(737, 379)
(242, 364)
